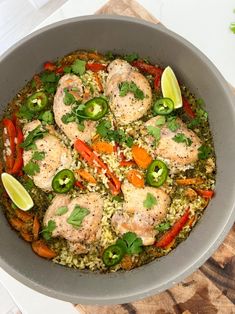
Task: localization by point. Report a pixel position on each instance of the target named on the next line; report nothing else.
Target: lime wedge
(17, 193)
(170, 87)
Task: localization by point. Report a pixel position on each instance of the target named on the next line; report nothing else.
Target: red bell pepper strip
(174, 231)
(157, 82)
(79, 185)
(188, 109)
(208, 194)
(9, 136)
(86, 152)
(147, 68)
(126, 163)
(95, 67)
(49, 66)
(18, 164)
(59, 70)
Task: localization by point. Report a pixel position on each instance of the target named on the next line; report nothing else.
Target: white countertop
(205, 23)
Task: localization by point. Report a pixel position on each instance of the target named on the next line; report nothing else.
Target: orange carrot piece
(40, 248)
(189, 181)
(170, 245)
(103, 147)
(190, 193)
(141, 157)
(98, 81)
(86, 176)
(24, 216)
(26, 236)
(36, 228)
(16, 223)
(136, 178)
(207, 194)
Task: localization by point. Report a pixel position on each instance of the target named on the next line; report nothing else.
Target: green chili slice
(163, 106)
(157, 173)
(95, 108)
(37, 102)
(63, 181)
(112, 255)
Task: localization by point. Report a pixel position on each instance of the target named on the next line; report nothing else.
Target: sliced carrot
(127, 262)
(24, 216)
(103, 147)
(141, 156)
(79, 185)
(16, 223)
(98, 81)
(190, 181)
(86, 175)
(26, 236)
(192, 220)
(36, 228)
(40, 248)
(190, 193)
(136, 178)
(208, 194)
(170, 245)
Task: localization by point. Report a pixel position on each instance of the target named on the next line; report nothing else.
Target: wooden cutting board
(209, 290)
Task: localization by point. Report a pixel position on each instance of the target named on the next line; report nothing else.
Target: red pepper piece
(157, 82)
(188, 109)
(174, 231)
(86, 152)
(79, 185)
(18, 164)
(10, 136)
(59, 70)
(125, 163)
(95, 67)
(147, 68)
(208, 194)
(49, 66)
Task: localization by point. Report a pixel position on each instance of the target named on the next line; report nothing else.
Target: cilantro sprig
(181, 138)
(130, 87)
(150, 201)
(76, 217)
(33, 135)
(47, 230)
(130, 243)
(204, 152)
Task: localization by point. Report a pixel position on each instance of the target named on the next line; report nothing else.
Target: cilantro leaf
(163, 226)
(47, 117)
(160, 121)
(126, 87)
(204, 152)
(31, 168)
(47, 230)
(81, 125)
(154, 131)
(172, 124)
(181, 138)
(32, 137)
(67, 69)
(69, 99)
(150, 201)
(61, 210)
(103, 127)
(76, 217)
(28, 184)
(48, 77)
(131, 243)
(232, 27)
(193, 123)
(79, 67)
(109, 55)
(38, 155)
(202, 114)
(68, 117)
(24, 113)
(131, 57)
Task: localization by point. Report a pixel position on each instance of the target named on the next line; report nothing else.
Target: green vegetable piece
(61, 210)
(130, 243)
(161, 120)
(69, 99)
(68, 117)
(181, 138)
(47, 230)
(37, 102)
(95, 108)
(150, 201)
(76, 217)
(157, 173)
(131, 57)
(193, 123)
(163, 106)
(232, 27)
(31, 168)
(28, 184)
(24, 113)
(172, 124)
(204, 152)
(63, 181)
(67, 69)
(79, 67)
(32, 137)
(163, 226)
(130, 87)
(154, 131)
(103, 128)
(113, 255)
(38, 155)
(49, 77)
(47, 117)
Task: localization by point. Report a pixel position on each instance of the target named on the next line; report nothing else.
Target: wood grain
(209, 290)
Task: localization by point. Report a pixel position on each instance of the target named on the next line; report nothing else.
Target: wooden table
(210, 289)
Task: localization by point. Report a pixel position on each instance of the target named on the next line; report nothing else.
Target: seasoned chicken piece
(178, 154)
(136, 217)
(79, 238)
(57, 156)
(73, 84)
(127, 108)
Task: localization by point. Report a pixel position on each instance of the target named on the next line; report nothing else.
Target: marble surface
(204, 23)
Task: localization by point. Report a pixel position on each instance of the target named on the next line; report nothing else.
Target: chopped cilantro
(117, 198)
(202, 114)
(154, 131)
(172, 124)
(232, 27)
(150, 201)
(49, 77)
(204, 152)
(32, 137)
(131, 57)
(130, 243)
(47, 117)
(181, 138)
(126, 87)
(68, 117)
(193, 123)
(81, 125)
(31, 168)
(28, 184)
(38, 155)
(69, 99)
(61, 210)
(47, 230)
(160, 121)
(79, 67)
(24, 113)
(67, 69)
(103, 128)
(76, 217)
(109, 55)
(163, 226)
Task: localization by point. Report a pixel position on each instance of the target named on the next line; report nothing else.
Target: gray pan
(125, 35)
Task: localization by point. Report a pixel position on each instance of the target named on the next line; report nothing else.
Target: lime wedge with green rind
(170, 87)
(17, 193)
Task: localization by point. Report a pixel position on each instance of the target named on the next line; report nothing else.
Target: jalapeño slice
(63, 181)
(112, 255)
(163, 106)
(95, 108)
(37, 102)
(157, 173)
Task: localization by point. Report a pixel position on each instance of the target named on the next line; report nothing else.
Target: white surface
(203, 22)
